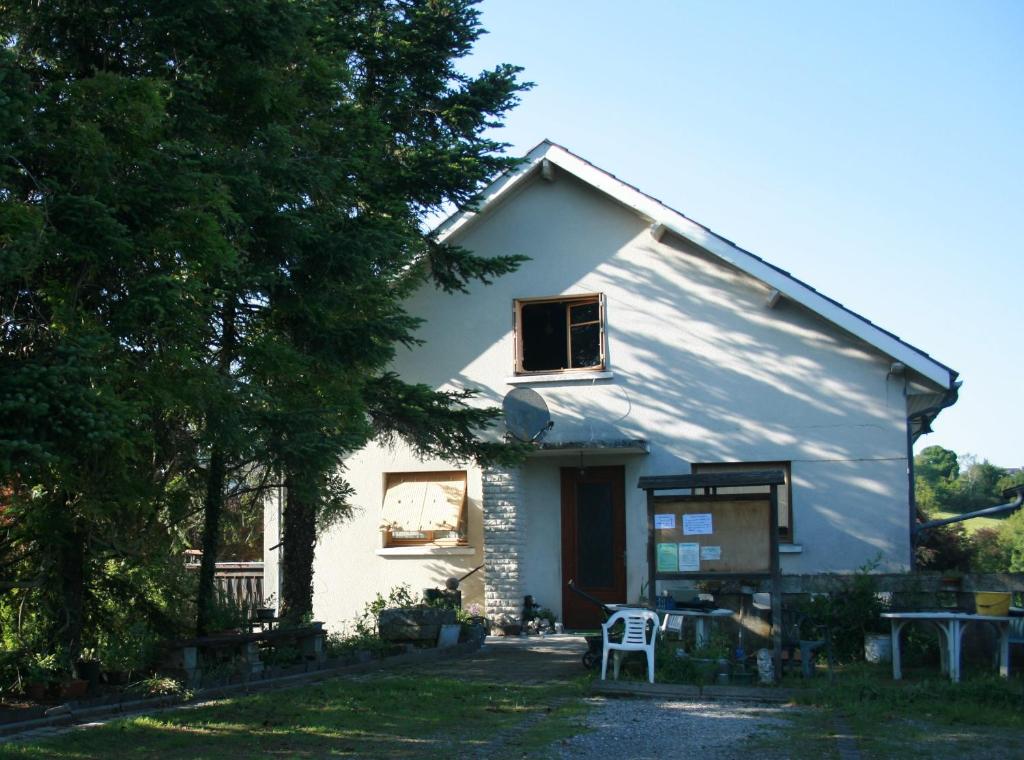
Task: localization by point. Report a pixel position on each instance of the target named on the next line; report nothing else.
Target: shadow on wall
(472, 588)
(702, 366)
(467, 325)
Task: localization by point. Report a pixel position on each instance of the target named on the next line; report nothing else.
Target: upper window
(785, 492)
(560, 334)
(424, 508)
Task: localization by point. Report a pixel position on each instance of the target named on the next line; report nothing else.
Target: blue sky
(873, 149)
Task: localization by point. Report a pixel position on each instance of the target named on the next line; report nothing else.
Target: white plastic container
(765, 666)
(877, 647)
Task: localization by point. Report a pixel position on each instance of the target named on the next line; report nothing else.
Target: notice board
(711, 535)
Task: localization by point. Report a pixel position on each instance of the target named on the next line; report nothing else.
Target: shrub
(848, 614)
(991, 551)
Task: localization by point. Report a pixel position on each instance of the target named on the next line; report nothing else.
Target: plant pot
(89, 671)
(116, 677)
(950, 583)
(76, 688)
(36, 690)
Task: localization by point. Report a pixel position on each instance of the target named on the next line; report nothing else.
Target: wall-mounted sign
(667, 558)
(710, 552)
(697, 524)
(689, 558)
(665, 522)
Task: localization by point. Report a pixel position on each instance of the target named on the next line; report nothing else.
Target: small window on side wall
(560, 334)
(785, 492)
(424, 509)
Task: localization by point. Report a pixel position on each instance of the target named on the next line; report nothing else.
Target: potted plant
(87, 668)
(268, 611)
(42, 673)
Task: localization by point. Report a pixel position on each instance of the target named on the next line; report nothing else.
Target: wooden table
(952, 625)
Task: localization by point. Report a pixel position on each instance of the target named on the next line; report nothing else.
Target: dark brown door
(593, 541)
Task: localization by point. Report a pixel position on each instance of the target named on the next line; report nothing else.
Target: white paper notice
(697, 525)
(711, 552)
(665, 522)
(689, 557)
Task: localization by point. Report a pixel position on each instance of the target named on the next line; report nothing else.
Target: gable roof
(548, 153)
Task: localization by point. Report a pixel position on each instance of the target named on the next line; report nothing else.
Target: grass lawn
(924, 716)
(374, 716)
(410, 716)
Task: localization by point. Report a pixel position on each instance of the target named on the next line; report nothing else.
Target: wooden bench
(186, 655)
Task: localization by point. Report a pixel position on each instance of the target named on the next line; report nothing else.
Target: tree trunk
(71, 568)
(212, 508)
(299, 539)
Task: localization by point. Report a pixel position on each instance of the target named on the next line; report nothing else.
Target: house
(656, 347)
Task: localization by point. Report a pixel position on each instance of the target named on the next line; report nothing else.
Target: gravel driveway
(653, 728)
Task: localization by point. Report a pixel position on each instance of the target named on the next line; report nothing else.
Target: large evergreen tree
(210, 216)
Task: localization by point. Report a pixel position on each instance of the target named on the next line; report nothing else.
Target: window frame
(786, 466)
(440, 539)
(570, 301)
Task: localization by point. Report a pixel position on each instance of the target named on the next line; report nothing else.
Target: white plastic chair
(670, 622)
(639, 636)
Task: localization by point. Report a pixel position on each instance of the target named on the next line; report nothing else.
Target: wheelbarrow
(595, 644)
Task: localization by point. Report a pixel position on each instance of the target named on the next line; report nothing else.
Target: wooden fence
(239, 582)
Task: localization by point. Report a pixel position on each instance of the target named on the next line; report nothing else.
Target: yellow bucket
(992, 602)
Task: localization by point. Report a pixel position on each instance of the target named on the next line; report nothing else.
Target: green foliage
(48, 668)
(1012, 537)
(281, 656)
(869, 687)
(159, 687)
(947, 483)
(936, 465)
(946, 547)
(670, 668)
(848, 614)
(210, 224)
(992, 551)
(228, 615)
(377, 715)
(399, 596)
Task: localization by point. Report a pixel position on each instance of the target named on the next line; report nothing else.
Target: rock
(414, 623)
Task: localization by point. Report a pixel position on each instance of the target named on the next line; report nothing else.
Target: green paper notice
(668, 558)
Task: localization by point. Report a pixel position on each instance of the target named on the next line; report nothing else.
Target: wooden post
(651, 566)
(773, 532)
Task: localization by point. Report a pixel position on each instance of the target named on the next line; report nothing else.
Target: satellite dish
(526, 415)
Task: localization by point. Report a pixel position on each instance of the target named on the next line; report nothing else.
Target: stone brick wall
(503, 535)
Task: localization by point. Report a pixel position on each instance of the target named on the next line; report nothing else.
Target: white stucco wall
(351, 565)
(702, 368)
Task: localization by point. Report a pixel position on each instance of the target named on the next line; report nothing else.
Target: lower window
(424, 509)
